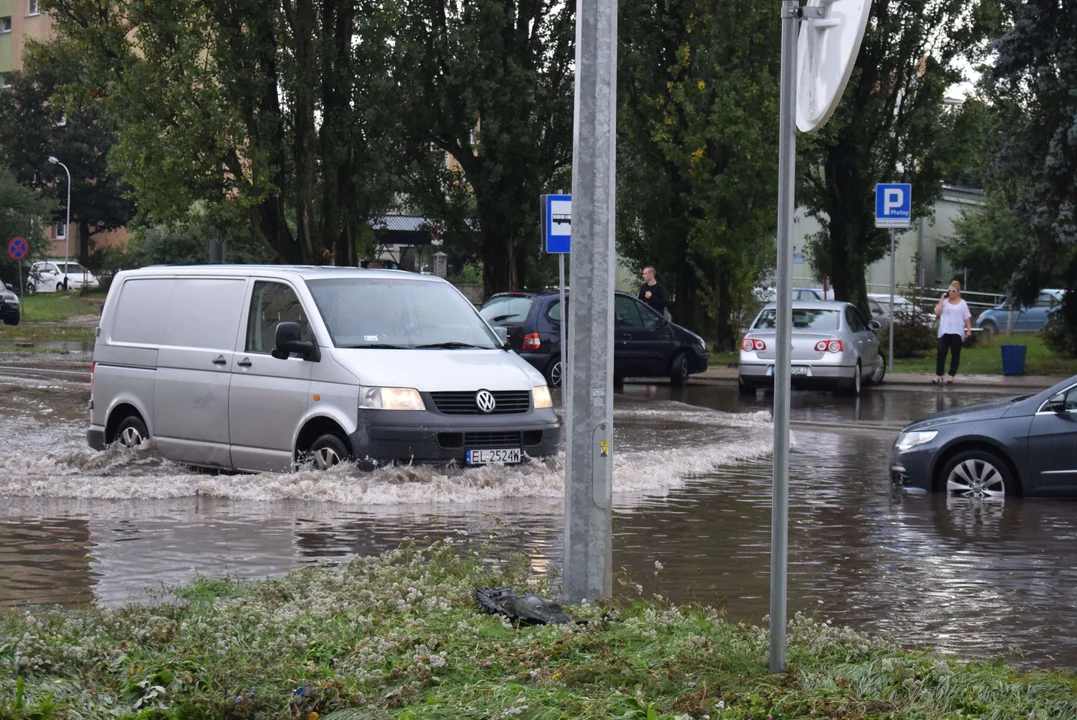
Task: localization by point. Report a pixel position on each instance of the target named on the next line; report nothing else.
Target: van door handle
(219, 360)
(244, 363)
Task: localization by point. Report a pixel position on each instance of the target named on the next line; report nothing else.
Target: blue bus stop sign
(557, 224)
(17, 248)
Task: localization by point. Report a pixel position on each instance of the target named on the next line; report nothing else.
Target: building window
(4, 82)
(60, 231)
(5, 24)
(31, 7)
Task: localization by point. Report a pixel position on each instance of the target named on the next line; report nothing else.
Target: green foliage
(19, 209)
(401, 636)
(892, 125)
(1059, 337)
(1035, 76)
(29, 135)
(912, 335)
(697, 148)
(990, 242)
(489, 83)
(274, 111)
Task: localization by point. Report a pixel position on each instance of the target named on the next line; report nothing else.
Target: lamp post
(67, 224)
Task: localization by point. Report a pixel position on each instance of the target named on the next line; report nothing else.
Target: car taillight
(532, 341)
(749, 344)
(834, 346)
(92, 366)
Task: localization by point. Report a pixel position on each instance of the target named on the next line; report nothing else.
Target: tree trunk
(301, 18)
(84, 243)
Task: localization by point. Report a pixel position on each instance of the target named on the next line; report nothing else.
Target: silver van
(260, 367)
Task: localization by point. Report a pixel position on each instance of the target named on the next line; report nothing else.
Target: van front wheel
(328, 451)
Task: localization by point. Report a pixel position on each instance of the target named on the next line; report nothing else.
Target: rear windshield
(823, 320)
(507, 309)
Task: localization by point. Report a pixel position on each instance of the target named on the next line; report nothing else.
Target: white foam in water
(55, 462)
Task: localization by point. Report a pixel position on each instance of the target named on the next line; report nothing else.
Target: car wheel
(744, 388)
(680, 369)
(11, 319)
(328, 451)
(31, 289)
(553, 373)
(978, 474)
(856, 383)
(132, 432)
(989, 329)
(59, 287)
(878, 371)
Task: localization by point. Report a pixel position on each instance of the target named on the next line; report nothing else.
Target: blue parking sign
(893, 205)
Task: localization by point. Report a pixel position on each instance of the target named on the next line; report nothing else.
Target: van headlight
(908, 440)
(390, 398)
(540, 397)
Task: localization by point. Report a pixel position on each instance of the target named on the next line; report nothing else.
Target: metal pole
(893, 320)
(67, 228)
(588, 569)
(563, 323)
(787, 150)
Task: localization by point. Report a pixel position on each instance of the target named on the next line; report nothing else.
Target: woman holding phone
(955, 325)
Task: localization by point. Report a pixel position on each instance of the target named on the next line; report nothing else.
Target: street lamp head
(53, 160)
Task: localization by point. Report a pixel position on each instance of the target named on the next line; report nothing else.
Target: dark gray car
(1019, 446)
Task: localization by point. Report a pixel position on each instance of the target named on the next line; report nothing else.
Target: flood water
(692, 483)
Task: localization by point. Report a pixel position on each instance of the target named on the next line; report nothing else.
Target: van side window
(271, 304)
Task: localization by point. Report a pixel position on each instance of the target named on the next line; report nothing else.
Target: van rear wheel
(328, 451)
(132, 432)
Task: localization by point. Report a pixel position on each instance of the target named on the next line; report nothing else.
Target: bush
(1058, 337)
(913, 335)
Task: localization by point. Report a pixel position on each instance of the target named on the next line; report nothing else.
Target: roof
(307, 272)
(406, 223)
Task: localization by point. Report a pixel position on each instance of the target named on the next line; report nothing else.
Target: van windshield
(399, 313)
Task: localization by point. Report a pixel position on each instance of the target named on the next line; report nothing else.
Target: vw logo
(484, 400)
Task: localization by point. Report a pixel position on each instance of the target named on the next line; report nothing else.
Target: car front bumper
(911, 469)
(424, 436)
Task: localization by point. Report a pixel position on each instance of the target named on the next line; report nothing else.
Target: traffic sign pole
(893, 320)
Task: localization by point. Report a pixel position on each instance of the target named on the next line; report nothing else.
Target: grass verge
(37, 334)
(57, 307)
(985, 358)
(401, 636)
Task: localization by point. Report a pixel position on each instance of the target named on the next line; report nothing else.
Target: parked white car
(48, 276)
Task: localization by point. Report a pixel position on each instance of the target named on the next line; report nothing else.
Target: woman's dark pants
(953, 344)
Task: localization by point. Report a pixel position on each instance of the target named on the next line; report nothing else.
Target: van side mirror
(1057, 403)
(502, 333)
(875, 325)
(288, 341)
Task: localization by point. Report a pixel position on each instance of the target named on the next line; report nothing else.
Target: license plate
(485, 457)
(795, 370)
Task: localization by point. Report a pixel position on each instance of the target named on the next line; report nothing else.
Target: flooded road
(692, 485)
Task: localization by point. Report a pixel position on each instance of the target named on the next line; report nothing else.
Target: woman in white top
(955, 324)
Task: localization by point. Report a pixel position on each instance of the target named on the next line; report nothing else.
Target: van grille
(463, 403)
(479, 440)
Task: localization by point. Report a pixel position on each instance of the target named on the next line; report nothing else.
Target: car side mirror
(875, 325)
(502, 333)
(1057, 403)
(289, 341)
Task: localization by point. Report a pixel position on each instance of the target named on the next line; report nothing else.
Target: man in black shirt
(652, 293)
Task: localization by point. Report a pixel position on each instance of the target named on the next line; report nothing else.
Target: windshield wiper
(453, 345)
(375, 346)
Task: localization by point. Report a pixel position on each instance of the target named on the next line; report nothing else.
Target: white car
(48, 276)
(879, 304)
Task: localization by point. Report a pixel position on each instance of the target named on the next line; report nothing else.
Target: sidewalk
(1028, 383)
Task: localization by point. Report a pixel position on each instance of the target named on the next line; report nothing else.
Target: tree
(697, 151)
(891, 126)
(489, 83)
(20, 207)
(271, 109)
(1036, 70)
(29, 135)
(990, 242)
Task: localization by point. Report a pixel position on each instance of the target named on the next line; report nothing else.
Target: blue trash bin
(1013, 359)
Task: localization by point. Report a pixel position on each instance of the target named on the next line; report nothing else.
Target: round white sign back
(826, 52)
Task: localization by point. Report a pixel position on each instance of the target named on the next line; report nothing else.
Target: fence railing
(926, 297)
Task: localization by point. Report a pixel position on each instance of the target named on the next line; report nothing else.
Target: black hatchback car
(1019, 446)
(645, 343)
